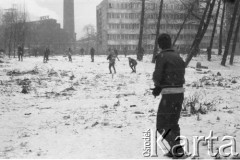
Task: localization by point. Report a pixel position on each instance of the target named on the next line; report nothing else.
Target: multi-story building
(118, 24)
(47, 32)
(37, 34)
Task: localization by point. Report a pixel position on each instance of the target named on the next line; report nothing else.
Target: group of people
(168, 78)
(113, 55)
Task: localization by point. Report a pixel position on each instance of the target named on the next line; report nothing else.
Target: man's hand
(156, 91)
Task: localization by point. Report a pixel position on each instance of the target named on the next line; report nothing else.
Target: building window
(118, 15)
(131, 5)
(122, 5)
(166, 6)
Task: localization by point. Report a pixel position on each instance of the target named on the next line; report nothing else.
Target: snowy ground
(79, 110)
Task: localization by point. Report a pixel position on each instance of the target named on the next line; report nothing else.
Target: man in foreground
(168, 79)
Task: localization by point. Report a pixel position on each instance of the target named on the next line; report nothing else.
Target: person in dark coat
(168, 79)
(132, 64)
(69, 53)
(46, 55)
(112, 59)
(92, 52)
(82, 51)
(116, 52)
(125, 51)
(20, 53)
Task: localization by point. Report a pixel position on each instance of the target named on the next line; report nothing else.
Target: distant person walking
(69, 53)
(82, 51)
(92, 52)
(116, 52)
(36, 50)
(20, 53)
(125, 51)
(46, 55)
(112, 58)
(132, 64)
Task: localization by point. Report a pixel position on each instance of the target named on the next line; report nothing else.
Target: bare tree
(200, 27)
(227, 46)
(221, 29)
(9, 20)
(157, 31)
(1, 30)
(15, 26)
(140, 48)
(15, 31)
(213, 32)
(189, 12)
(201, 31)
(235, 40)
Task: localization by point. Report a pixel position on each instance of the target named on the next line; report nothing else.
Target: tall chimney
(68, 18)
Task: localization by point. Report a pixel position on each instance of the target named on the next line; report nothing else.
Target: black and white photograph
(119, 79)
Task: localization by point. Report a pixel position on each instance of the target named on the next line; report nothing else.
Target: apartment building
(118, 24)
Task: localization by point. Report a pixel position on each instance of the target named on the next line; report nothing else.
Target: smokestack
(68, 18)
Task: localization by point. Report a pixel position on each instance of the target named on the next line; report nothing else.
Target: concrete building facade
(47, 33)
(118, 24)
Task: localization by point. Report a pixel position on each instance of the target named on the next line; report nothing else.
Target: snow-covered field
(79, 110)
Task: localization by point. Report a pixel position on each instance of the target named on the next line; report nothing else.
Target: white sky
(85, 11)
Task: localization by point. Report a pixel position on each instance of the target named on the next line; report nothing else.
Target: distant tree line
(16, 29)
(13, 29)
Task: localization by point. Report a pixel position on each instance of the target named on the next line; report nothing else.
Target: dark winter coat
(92, 52)
(132, 62)
(47, 52)
(20, 50)
(169, 70)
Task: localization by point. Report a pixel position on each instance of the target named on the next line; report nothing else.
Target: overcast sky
(85, 11)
